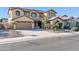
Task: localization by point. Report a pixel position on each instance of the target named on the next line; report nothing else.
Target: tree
(67, 26)
(5, 25)
(77, 24)
(60, 25)
(57, 25)
(46, 21)
(72, 23)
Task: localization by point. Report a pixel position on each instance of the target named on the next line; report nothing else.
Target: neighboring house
(28, 18)
(4, 19)
(67, 22)
(2, 22)
(72, 22)
(77, 22)
(77, 19)
(54, 20)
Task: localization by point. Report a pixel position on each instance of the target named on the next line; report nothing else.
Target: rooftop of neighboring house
(77, 19)
(3, 19)
(63, 17)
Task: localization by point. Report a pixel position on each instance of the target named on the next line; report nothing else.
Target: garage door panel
(24, 25)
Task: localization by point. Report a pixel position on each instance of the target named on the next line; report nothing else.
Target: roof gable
(54, 18)
(22, 18)
(52, 11)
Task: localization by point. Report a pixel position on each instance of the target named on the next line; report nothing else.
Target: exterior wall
(9, 15)
(12, 13)
(54, 14)
(38, 18)
(27, 13)
(24, 23)
(54, 20)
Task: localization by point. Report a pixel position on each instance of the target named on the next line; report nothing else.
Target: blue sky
(70, 11)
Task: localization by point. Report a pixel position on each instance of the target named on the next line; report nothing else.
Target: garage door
(23, 25)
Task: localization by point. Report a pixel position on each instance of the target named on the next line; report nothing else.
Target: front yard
(26, 35)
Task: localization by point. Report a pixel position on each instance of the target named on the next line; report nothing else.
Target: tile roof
(53, 18)
(26, 9)
(64, 17)
(52, 10)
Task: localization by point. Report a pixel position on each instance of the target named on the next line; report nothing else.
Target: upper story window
(17, 13)
(50, 15)
(33, 14)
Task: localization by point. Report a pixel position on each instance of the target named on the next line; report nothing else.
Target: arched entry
(37, 24)
(58, 24)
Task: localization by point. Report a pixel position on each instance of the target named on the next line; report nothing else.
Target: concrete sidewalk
(34, 35)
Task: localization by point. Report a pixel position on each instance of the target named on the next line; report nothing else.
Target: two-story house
(28, 18)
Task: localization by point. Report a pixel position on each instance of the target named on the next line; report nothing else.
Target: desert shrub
(75, 29)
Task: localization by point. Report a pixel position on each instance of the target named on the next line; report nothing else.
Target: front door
(38, 24)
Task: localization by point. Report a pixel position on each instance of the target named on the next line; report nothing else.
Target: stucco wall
(54, 20)
(24, 23)
(12, 13)
(52, 12)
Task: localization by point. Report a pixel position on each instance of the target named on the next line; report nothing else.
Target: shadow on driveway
(10, 34)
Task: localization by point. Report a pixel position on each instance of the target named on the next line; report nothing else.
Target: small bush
(75, 29)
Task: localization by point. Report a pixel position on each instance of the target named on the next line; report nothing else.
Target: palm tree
(46, 21)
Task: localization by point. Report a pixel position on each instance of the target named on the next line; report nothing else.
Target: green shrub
(75, 29)
(56, 27)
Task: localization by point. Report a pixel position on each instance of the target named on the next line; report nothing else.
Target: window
(50, 14)
(33, 14)
(17, 13)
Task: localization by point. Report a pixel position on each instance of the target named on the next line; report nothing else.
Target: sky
(70, 11)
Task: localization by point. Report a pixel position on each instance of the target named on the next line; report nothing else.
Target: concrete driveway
(41, 41)
(26, 35)
(61, 43)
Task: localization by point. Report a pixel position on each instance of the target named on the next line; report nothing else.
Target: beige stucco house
(54, 20)
(65, 20)
(28, 18)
